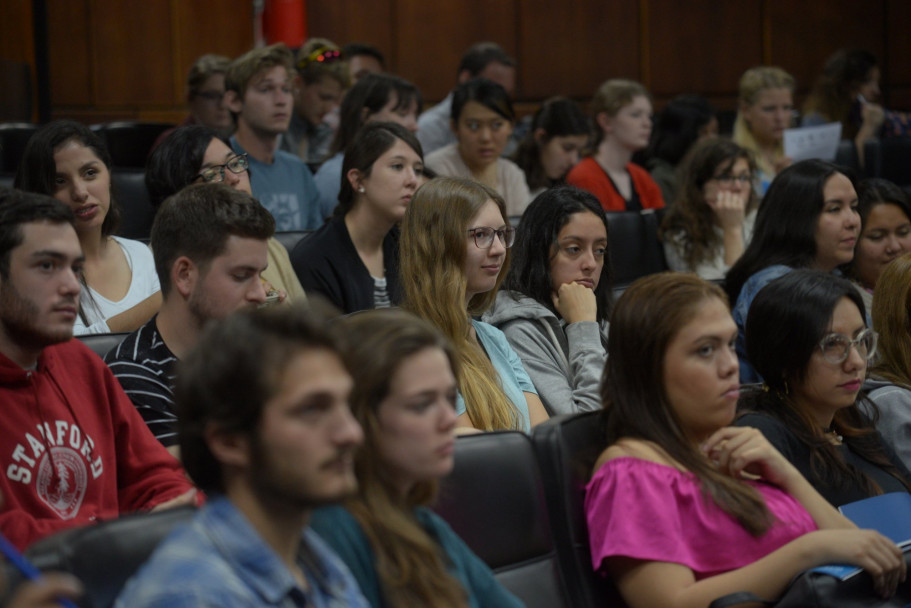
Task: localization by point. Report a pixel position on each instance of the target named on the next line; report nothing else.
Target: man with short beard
(210, 244)
(265, 429)
(72, 448)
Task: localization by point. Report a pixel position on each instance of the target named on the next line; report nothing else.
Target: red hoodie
(73, 448)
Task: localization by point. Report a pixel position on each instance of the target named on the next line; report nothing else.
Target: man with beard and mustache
(265, 429)
(210, 247)
(72, 448)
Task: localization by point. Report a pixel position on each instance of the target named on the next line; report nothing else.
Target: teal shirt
(344, 534)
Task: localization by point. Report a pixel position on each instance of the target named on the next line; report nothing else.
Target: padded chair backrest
(634, 246)
(136, 212)
(106, 555)
(567, 448)
(13, 138)
(130, 142)
(494, 500)
(894, 160)
(6, 180)
(101, 344)
(291, 238)
(846, 156)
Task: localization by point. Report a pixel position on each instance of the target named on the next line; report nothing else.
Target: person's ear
(355, 178)
(233, 102)
(540, 136)
(605, 123)
(184, 276)
(229, 449)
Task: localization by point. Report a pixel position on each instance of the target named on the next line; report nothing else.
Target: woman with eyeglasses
(808, 219)
(889, 385)
(196, 154)
(682, 507)
(353, 260)
(66, 160)
(707, 228)
(807, 336)
(482, 118)
(455, 254)
(556, 301)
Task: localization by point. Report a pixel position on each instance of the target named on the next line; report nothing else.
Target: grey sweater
(894, 404)
(565, 362)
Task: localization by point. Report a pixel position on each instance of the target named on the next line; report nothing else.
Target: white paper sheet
(812, 142)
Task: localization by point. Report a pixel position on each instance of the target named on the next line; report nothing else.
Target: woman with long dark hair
(808, 338)
(556, 301)
(808, 219)
(682, 508)
(66, 160)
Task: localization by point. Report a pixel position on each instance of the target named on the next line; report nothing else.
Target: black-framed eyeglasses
(483, 236)
(216, 173)
(835, 347)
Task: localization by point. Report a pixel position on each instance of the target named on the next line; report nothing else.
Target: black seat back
(567, 448)
(13, 138)
(494, 500)
(290, 238)
(635, 250)
(101, 344)
(130, 142)
(136, 212)
(106, 555)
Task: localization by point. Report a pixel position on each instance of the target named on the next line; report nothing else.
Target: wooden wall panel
(344, 21)
(895, 61)
(433, 36)
(801, 39)
(701, 45)
(132, 52)
(69, 53)
(224, 27)
(18, 100)
(570, 48)
(16, 31)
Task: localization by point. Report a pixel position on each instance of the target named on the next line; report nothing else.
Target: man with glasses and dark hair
(72, 448)
(259, 95)
(266, 430)
(210, 247)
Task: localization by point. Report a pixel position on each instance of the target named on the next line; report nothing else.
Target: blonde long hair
(410, 564)
(432, 251)
(891, 313)
(753, 82)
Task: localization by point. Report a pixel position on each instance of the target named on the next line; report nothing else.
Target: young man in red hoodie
(73, 449)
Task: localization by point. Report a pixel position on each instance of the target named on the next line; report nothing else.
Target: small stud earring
(361, 190)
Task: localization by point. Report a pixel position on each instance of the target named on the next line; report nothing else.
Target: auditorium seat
(890, 159)
(106, 555)
(136, 212)
(635, 249)
(130, 142)
(13, 138)
(567, 448)
(494, 500)
(102, 343)
(291, 238)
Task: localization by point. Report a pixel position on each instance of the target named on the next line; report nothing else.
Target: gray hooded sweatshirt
(894, 404)
(565, 362)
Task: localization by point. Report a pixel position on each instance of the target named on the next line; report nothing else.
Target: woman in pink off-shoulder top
(683, 508)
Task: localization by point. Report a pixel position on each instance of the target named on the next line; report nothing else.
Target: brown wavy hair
(690, 214)
(647, 318)
(892, 320)
(410, 564)
(432, 251)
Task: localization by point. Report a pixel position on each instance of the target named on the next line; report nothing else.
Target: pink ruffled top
(652, 512)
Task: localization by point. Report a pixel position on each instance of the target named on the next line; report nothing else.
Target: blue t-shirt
(286, 188)
(514, 379)
(328, 180)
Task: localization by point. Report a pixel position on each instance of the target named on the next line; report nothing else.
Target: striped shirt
(144, 365)
(380, 293)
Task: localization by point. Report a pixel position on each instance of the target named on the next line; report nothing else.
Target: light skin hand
(867, 549)
(575, 302)
(134, 318)
(746, 450)
(187, 498)
(872, 116)
(44, 592)
(729, 208)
